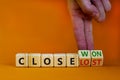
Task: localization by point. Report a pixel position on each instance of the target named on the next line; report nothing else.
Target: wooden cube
(59, 60)
(72, 60)
(34, 60)
(97, 58)
(84, 57)
(21, 60)
(47, 60)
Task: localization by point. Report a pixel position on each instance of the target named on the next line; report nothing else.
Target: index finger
(78, 24)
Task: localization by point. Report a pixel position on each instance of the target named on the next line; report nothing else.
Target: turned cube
(84, 57)
(97, 58)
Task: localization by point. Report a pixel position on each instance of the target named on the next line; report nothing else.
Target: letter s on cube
(97, 58)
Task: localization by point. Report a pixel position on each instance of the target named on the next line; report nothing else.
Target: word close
(82, 58)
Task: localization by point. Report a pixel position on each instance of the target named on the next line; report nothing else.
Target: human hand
(82, 12)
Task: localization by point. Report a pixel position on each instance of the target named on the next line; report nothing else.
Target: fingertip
(107, 5)
(102, 14)
(108, 8)
(101, 19)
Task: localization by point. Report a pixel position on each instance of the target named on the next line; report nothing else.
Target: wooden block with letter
(97, 58)
(34, 60)
(72, 60)
(21, 60)
(84, 57)
(59, 60)
(47, 60)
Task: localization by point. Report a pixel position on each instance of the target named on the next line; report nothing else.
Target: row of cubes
(82, 58)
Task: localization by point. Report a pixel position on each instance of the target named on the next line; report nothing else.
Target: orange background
(45, 26)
